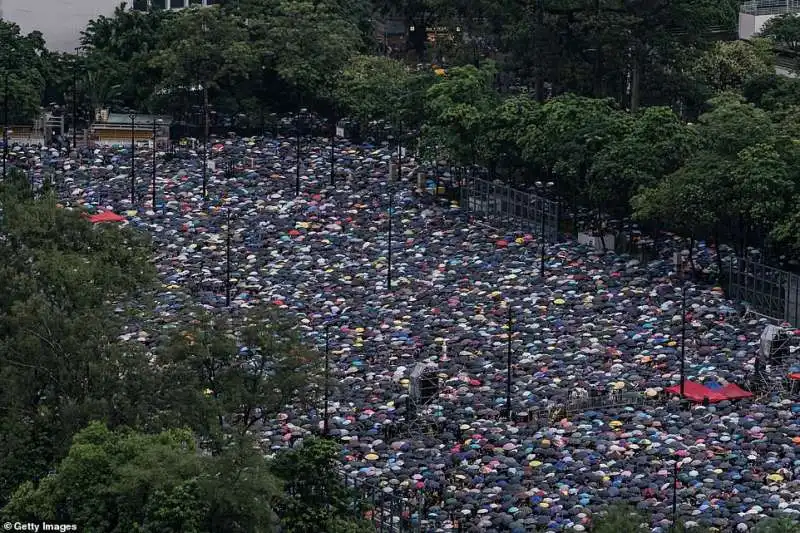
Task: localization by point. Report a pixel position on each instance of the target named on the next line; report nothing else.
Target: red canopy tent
(105, 216)
(698, 393)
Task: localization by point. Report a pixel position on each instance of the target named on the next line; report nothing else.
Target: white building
(753, 14)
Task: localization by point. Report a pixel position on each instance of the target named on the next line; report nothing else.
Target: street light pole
(509, 377)
(133, 157)
(327, 376)
(228, 259)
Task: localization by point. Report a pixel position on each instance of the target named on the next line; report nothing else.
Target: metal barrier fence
(770, 291)
(549, 415)
(391, 512)
(508, 207)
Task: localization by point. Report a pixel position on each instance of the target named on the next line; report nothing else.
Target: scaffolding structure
(762, 8)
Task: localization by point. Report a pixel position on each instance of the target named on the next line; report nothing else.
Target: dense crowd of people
(595, 321)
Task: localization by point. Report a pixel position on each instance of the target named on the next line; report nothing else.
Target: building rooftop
(124, 119)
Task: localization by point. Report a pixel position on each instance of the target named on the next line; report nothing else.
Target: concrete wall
(749, 25)
(61, 21)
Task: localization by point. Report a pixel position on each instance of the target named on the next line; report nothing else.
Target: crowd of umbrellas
(601, 322)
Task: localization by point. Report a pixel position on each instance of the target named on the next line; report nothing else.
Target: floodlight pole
(327, 376)
(228, 260)
(509, 376)
(133, 157)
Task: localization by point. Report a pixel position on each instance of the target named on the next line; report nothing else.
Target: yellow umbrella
(440, 72)
(775, 477)
(559, 301)
(615, 424)
(534, 464)
(371, 457)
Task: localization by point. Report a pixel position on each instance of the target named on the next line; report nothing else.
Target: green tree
(783, 31)
(60, 362)
(118, 50)
(127, 481)
(457, 106)
(655, 147)
(501, 146)
(564, 140)
(226, 375)
(619, 518)
(313, 501)
(377, 88)
(728, 66)
(23, 69)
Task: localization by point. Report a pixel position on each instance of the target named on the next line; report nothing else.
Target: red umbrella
(105, 216)
(294, 232)
(501, 243)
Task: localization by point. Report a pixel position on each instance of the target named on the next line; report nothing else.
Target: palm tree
(100, 91)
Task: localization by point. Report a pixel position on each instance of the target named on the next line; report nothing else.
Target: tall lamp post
(153, 180)
(299, 123)
(333, 151)
(133, 157)
(75, 101)
(542, 188)
(675, 493)
(327, 379)
(228, 258)
(205, 144)
(5, 120)
(683, 340)
(389, 251)
(509, 376)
